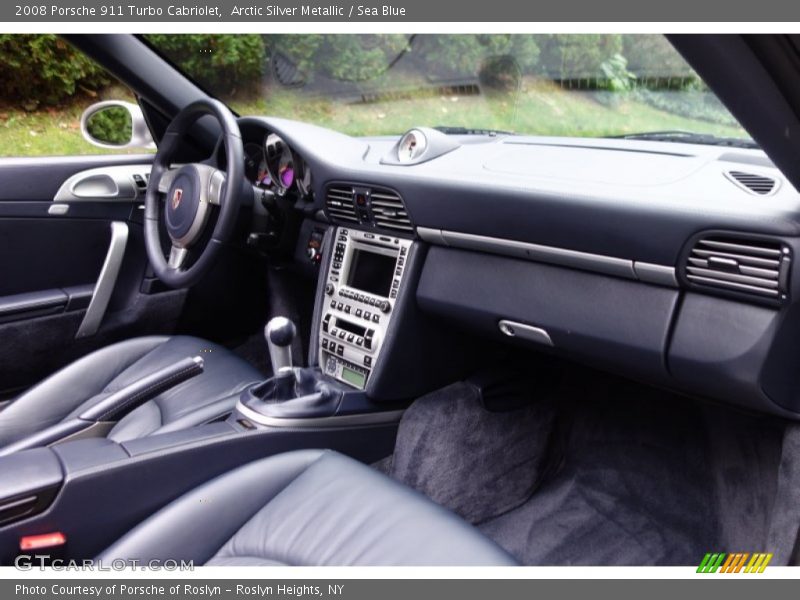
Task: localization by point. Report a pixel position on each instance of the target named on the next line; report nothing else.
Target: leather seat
(311, 508)
(94, 377)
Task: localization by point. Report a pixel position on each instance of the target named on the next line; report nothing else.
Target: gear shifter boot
(297, 393)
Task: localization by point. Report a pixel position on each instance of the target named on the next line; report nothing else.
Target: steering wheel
(189, 192)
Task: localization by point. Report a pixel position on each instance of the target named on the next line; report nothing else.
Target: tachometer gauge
(279, 163)
(286, 171)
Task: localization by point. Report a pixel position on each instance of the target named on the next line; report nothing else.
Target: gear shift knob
(280, 333)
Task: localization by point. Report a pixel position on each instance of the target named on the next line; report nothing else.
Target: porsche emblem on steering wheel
(177, 195)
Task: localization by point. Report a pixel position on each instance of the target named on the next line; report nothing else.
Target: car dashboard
(670, 263)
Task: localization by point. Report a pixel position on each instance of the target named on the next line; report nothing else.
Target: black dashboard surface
(630, 199)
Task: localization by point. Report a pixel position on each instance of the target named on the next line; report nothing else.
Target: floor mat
(633, 489)
(645, 477)
(477, 463)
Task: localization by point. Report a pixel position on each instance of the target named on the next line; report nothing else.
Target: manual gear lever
(292, 392)
(280, 333)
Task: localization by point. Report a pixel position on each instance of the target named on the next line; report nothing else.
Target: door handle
(119, 183)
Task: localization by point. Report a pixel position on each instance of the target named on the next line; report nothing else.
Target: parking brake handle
(112, 408)
(123, 401)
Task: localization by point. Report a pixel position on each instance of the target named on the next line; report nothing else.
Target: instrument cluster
(273, 165)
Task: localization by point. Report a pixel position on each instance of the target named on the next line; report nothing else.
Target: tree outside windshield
(366, 85)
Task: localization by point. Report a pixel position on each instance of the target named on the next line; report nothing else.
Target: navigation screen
(371, 272)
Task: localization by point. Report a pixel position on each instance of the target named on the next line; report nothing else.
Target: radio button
(347, 309)
(324, 343)
(351, 338)
(340, 350)
(359, 312)
(367, 315)
(339, 306)
(376, 318)
(359, 341)
(367, 361)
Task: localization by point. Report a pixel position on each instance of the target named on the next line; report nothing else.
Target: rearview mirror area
(116, 125)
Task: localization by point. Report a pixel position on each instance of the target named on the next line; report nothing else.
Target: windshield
(366, 85)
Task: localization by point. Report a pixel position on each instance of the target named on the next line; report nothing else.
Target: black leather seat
(92, 378)
(309, 507)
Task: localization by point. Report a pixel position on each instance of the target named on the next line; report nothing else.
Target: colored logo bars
(734, 563)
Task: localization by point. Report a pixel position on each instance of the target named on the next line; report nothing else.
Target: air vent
(340, 204)
(389, 211)
(753, 183)
(755, 267)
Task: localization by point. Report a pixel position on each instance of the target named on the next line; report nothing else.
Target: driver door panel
(52, 255)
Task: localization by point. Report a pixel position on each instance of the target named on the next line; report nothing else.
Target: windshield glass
(365, 85)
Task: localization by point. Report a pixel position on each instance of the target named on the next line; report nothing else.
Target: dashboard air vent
(755, 267)
(340, 205)
(753, 183)
(389, 211)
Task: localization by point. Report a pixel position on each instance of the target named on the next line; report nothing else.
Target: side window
(56, 101)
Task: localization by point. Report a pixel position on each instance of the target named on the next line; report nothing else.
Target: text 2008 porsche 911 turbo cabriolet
(367, 324)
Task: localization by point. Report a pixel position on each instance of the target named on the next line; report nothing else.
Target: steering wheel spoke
(216, 187)
(177, 257)
(165, 182)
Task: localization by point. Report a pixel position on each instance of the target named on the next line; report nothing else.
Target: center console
(364, 328)
(362, 285)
